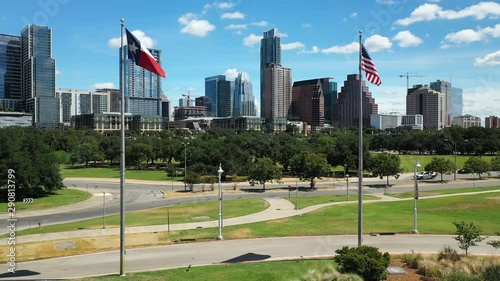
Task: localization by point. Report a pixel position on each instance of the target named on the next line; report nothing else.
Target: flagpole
(122, 154)
(360, 151)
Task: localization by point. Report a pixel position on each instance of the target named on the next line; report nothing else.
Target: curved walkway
(278, 208)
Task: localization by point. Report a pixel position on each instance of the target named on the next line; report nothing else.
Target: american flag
(369, 67)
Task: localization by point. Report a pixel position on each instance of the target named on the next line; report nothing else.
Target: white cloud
(386, 2)
(468, 36)
(58, 72)
(225, 5)
(104, 85)
(236, 26)
(428, 12)
(260, 23)
(353, 15)
(291, 46)
(251, 40)
(192, 89)
(488, 60)
(282, 34)
(147, 41)
(407, 39)
(314, 50)
(377, 43)
(195, 26)
(306, 25)
(235, 15)
(346, 49)
(231, 73)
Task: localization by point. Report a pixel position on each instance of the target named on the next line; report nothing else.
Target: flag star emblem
(133, 48)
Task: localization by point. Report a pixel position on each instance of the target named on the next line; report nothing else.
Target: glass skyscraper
(39, 76)
(456, 102)
(214, 85)
(244, 100)
(10, 72)
(142, 88)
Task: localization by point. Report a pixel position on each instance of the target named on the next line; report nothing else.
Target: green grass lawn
(269, 271)
(410, 194)
(435, 216)
(61, 197)
(68, 171)
(306, 201)
(408, 161)
(182, 213)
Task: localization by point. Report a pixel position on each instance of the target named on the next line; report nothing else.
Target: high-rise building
(225, 99)
(10, 72)
(330, 98)
(456, 102)
(346, 107)
(244, 100)
(492, 122)
(270, 53)
(308, 101)
(212, 88)
(114, 98)
(39, 76)
(166, 109)
(142, 88)
(275, 81)
(73, 102)
(445, 88)
(430, 103)
(276, 99)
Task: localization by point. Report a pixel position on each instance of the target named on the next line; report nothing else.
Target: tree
(263, 170)
(441, 165)
(385, 165)
(495, 162)
(494, 243)
(365, 261)
(468, 235)
(309, 165)
(477, 165)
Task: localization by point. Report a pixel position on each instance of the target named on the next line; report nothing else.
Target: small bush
(460, 276)
(491, 273)
(430, 268)
(448, 253)
(412, 260)
(365, 261)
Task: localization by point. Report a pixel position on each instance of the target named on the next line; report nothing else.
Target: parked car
(425, 175)
(463, 171)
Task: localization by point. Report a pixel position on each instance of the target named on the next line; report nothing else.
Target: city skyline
(441, 40)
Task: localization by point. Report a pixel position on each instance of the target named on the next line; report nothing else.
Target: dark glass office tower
(10, 72)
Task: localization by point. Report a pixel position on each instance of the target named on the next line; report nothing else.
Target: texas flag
(142, 57)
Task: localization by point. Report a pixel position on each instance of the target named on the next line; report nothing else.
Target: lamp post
(220, 171)
(415, 197)
(185, 164)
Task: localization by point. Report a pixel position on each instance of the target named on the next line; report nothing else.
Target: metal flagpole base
(220, 238)
(414, 231)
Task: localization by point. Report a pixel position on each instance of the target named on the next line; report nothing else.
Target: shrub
(430, 268)
(460, 276)
(365, 261)
(328, 273)
(448, 253)
(491, 273)
(412, 260)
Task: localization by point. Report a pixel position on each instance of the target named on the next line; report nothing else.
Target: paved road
(142, 195)
(230, 251)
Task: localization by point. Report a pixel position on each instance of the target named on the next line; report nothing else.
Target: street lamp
(415, 197)
(220, 171)
(185, 164)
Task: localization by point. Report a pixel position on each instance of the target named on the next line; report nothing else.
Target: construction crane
(407, 75)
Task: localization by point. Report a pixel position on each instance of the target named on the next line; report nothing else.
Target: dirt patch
(411, 273)
(241, 233)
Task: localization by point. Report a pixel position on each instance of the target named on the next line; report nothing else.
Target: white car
(425, 175)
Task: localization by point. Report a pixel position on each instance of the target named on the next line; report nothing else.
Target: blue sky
(437, 39)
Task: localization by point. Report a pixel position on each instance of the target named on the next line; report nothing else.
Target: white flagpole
(360, 151)
(122, 154)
